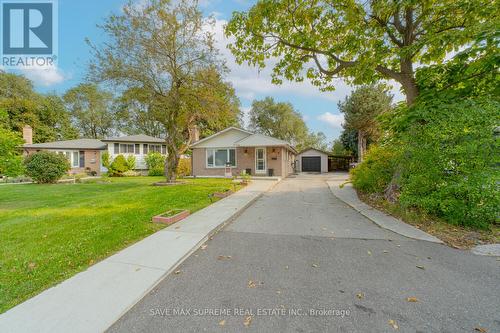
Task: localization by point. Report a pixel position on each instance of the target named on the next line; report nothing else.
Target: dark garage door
(311, 163)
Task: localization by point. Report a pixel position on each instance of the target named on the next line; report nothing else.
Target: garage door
(311, 163)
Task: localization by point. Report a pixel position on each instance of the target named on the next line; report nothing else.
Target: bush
(106, 160)
(155, 163)
(118, 166)
(131, 162)
(46, 167)
(450, 164)
(131, 173)
(184, 167)
(376, 171)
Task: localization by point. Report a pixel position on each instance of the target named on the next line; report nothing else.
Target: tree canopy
(360, 41)
(162, 50)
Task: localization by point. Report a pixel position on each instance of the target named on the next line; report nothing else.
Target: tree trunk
(408, 81)
(171, 161)
(361, 146)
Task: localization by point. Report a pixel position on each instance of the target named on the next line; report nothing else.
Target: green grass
(49, 233)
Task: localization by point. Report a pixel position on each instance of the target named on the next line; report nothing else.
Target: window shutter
(82, 159)
(117, 148)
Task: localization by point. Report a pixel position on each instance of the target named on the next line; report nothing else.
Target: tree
(360, 41)
(162, 49)
(10, 156)
(338, 148)
(361, 110)
(278, 120)
(46, 114)
(349, 139)
(315, 140)
(90, 109)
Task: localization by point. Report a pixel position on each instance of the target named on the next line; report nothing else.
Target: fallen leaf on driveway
(177, 272)
(222, 323)
(360, 295)
(480, 329)
(224, 257)
(247, 321)
(315, 265)
(421, 267)
(393, 324)
(251, 284)
(204, 246)
(278, 291)
(369, 253)
(385, 251)
(412, 299)
(286, 267)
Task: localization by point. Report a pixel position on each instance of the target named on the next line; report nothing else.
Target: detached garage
(312, 160)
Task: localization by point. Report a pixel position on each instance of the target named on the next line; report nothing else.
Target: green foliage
(184, 167)
(338, 148)
(131, 162)
(155, 163)
(46, 167)
(90, 108)
(450, 164)
(376, 171)
(106, 159)
(118, 166)
(10, 155)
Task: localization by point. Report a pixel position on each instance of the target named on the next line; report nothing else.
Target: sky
(78, 20)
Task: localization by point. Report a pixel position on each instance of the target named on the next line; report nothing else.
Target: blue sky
(78, 20)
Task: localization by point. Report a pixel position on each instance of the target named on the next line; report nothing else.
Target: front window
(217, 158)
(73, 157)
(126, 148)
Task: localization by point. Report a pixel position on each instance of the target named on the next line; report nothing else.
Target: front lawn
(48, 233)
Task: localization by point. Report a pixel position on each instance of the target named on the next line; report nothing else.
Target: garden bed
(171, 216)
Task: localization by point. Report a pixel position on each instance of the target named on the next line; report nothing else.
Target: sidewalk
(347, 194)
(93, 300)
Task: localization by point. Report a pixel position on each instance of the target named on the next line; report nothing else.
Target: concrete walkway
(93, 300)
(345, 192)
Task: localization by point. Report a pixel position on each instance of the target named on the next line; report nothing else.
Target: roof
(135, 138)
(219, 133)
(70, 144)
(261, 140)
(318, 150)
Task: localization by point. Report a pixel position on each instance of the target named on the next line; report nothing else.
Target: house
(233, 150)
(85, 155)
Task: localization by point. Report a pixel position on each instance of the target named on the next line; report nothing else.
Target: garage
(312, 160)
(311, 164)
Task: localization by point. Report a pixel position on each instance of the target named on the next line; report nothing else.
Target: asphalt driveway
(301, 260)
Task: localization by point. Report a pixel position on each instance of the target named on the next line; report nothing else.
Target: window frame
(228, 157)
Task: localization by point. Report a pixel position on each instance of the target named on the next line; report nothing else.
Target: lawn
(49, 233)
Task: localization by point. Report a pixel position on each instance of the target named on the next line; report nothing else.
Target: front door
(260, 160)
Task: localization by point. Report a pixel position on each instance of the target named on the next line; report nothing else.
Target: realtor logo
(29, 33)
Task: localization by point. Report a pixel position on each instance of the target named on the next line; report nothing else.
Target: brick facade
(92, 160)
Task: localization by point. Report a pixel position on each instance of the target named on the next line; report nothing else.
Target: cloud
(333, 120)
(44, 76)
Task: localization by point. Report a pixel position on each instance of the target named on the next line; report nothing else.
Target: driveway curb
(347, 194)
(92, 300)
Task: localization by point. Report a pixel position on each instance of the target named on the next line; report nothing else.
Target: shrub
(118, 166)
(131, 173)
(155, 163)
(106, 160)
(376, 171)
(131, 162)
(46, 167)
(184, 167)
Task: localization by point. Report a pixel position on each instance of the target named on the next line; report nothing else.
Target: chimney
(28, 134)
(195, 134)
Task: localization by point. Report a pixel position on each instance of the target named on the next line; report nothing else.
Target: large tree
(361, 109)
(362, 41)
(22, 105)
(162, 48)
(279, 120)
(91, 110)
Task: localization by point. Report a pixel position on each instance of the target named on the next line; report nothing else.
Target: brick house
(233, 150)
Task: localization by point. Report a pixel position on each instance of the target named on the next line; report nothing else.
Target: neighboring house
(137, 145)
(312, 160)
(233, 150)
(84, 155)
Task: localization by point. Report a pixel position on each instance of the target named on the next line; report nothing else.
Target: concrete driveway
(301, 260)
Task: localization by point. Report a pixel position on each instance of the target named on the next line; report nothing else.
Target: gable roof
(70, 144)
(135, 138)
(318, 150)
(219, 133)
(261, 140)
